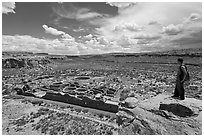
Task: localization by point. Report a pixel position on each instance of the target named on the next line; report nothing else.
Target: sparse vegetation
(117, 77)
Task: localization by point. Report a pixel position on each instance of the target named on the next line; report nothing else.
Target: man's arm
(184, 73)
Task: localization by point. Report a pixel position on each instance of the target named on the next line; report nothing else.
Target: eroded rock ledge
(165, 115)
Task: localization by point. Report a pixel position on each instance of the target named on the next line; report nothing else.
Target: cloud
(57, 46)
(152, 22)
(121, 5)
(67, 37)
(72, 12)
(193, 18)
(8, 7)
(141, 27)
(84, 14)
(146, 36)
(88, 37)
(193, 23)
(146, 14)
(100, 46)
(135, 28)
(102, 40)
(147, 39)
(186, 40)
(127, 26)
(92, 42)
(125, 42)
(143, 41)
(22, 43)
(52, 31)
(138, 26)
(29, 43)
(173, 29)
(79, 29)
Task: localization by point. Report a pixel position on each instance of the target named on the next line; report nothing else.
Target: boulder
(40, 93)
(131, 102)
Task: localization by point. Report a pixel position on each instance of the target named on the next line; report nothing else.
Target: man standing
(180, 79)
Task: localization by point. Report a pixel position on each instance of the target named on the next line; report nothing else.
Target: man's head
(179, 60)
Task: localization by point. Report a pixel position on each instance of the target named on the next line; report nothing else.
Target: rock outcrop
(167, 116)
(23, 62)
(13, 63)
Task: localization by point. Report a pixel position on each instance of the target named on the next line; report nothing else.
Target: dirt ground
(30, 116)
(149, 79)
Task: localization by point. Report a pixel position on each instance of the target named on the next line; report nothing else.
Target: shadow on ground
(177, 109)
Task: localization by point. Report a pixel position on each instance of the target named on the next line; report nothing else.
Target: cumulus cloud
(52, 31)
(29, 43)
(136, 24)
(127, 26)
(92, 42)
(173, 29)
(97, 42)
(56, 46)
(132, 29)
(88, 37)
(125, 42)
(8, 7)
(102, 40)
(138, 27)
(67, 37)
(97, 45)
(22, 43)
(151, 17)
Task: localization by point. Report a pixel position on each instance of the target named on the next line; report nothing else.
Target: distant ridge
(164, 51)
(175, 52)
(193, 52)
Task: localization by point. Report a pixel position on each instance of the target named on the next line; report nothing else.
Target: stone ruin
(73, 93)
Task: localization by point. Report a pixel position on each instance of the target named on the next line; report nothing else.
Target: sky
(81, 28)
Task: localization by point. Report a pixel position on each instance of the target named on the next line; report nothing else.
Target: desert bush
(101, 115)
(85, 110)
(124, 94)
(78, 110)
